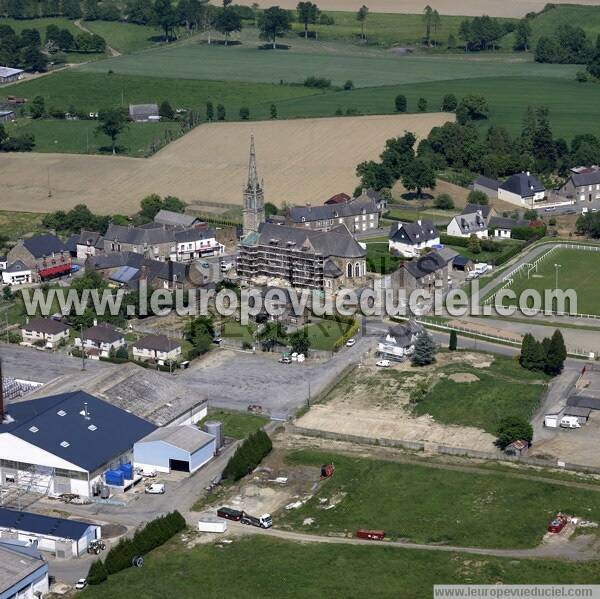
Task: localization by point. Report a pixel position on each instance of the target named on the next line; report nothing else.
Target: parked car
(155, 489)
(285, 360)
(81, 584)
(383, 364)
(146, 472)
(217, 340)
(350, 342)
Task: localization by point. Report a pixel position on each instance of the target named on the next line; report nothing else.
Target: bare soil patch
(463, 377)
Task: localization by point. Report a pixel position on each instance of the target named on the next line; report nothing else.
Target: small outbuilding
(182, 448)
(6, 116)
(143, 113)
(517, 448)
(8, 74)
(462, 263)
(582, 414)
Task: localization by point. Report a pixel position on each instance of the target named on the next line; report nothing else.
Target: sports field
(579, 270)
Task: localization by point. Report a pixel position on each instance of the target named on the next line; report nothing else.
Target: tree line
(547, 356)
(248, 455)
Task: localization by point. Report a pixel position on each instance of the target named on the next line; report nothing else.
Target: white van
(570, 422)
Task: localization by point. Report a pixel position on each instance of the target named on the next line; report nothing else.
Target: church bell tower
(254, 197)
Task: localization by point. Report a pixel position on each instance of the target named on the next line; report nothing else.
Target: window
(61, 413)
(357, 270)
(350, 270)
(92, 427)
(64, 444)
(34, 429)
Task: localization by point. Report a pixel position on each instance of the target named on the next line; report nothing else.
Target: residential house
(176, 219)
(338, 198)
(156, 348)
(17, 273)
(195, 243)
(143, 113)
(8, 75)
(465, 225)
(522, 189)
(375, 196)
(502, 227)
(399, 341)
(487, 186)
(89, 243)
(45, 255)
(427, 272)
(360, 214)
(100, 340)
(306, 258)
(48, 331)
(411, 239)
(583, 184)
(486, 211)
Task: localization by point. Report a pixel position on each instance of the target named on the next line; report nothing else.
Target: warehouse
(23, 571)
(64, 443)
(63, 538)
(184, 448)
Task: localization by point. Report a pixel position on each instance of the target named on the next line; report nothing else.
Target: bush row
(248, 455)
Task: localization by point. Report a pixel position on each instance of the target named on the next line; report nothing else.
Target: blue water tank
(114, 478)
(127, 470)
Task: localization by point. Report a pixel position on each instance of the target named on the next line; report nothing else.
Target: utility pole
(7, 333)
(82, 349)
(308, 398)
(556, 269)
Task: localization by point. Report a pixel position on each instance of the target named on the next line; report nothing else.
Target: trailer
(210, 524)
(373, 535)
(230, 514)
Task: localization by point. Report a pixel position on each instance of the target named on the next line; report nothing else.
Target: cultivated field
(210, 164)
(493, 8)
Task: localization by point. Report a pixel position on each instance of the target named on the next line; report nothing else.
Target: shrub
(220, 112)
(478, 197)
(325, 19)
(244, 113)
(513, 428)
(422, 105)
(449, 103)
(318, 82)
(444, 201)
(349, 85)
(97, 572)
(248, 455)
(401, 103)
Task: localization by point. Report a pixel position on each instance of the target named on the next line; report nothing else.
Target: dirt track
(304, 160)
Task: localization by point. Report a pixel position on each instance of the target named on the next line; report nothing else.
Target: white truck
(208, 524)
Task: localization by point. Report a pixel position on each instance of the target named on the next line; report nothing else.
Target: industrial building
(182, 448)
(64, 443)
(63, 538)
(23, 571)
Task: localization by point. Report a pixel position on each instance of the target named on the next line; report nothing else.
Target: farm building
(17, 273)
(23, 571)
(517, 448)
(7, 116)
(183, 448)
(63, 538)
(582, 414)
(45, 255)
(100, 340)
(45, 330)
(8, 75)
(522, 189)
(410, 239)
(64, 443)
(143, 113)
(156, 348)
(176, 219)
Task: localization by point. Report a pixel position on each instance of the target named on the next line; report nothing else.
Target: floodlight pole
(82, 350)
(556, 269)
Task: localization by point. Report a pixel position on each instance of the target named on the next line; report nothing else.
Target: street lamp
(556, 268)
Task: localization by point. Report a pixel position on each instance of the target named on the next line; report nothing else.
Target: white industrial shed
(184, 448)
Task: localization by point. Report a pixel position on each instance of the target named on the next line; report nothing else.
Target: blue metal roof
(86, 436)
(124, 274)
(43, 525)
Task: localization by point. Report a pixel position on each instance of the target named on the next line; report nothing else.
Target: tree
(422, 105)
(349, 85)
(530, 214)
(444, 202)
(271, 209)
(513, 428)
(150, 206)
(200, 332)
(220, 112)
(271, 334)
(165, 110)
(478, 197)
(593, 66)
(228, 21)
(308, 13)
(532, 355)
(431, 18)
(33, 59)
(449, 103)
(97, 572)
(173, 204)
(361, 17)
(425, 350)
(122, 353)
(473, 244)
(556, 354)
(274, 22)
(244, 113)
(111, 122)
(472, 107)
(164, 16)
(299, 342)
(273, 111)
(38, 107)
(419, 174)
(210, 111)
(400, 103)
(453, 341)
(522, 35)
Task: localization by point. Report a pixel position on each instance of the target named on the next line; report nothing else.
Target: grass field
(237, 425)
(323, 335)
(15, 224)
(579, 271)
(239, 331)
(312, 571)
(484, 256)
(125, 37)
(379, 258)
(498, 392)
(80, 137)
(431, 505)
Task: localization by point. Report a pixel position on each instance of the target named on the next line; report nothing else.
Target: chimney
(1, 394)
(95, 322)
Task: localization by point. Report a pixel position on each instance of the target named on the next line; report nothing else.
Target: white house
(503, 227)
(410, 239)
(90, 243)
(195, 243)
(16, 273)
(522, 189)
(99, 340)
(156, 348)
(50, 332)
(399, 341)
(465, 225)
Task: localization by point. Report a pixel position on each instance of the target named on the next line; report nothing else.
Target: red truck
(373, 535)
(557, 524)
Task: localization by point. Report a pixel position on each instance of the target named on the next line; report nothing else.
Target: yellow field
(474, 8)
(304, 160)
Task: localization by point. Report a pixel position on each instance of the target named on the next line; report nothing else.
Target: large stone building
(583, 184)
(254, 196)
(45, 255)
(302, 258)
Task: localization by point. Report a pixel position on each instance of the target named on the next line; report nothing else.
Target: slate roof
(583, 401)
(102, 333)
(139, 235)
(301, 214)
(168, 217)
(591, 177)
(8, 71)
(194, 235)
(18, 562)
(17, 266)
(330, 269)
(414, 233)
(448, 254)
(337, 242)
(487, 182)
(142, 111)
(40, 246)
(500, 222)
(71, 243)
(425, 265)
(58, 425)
(157, 342)
(48, 326)
(474, 208)
(43, 525)
(90, 238)
(187, 437)
(461, 260)
(403, 333)
(523, 184)
(577, 411)
(470, 223)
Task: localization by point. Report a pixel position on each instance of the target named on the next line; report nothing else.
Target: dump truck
(264, 521)
(373, 535)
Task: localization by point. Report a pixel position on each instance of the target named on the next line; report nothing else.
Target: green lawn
(15, 224)
(125, 37)
(498, 392)
(379, 258)
(237, 425)
(484, 256)
(80, 137)
(323, 335)
(579, 271)
(261, 567)
(238, 331)
(434, 505)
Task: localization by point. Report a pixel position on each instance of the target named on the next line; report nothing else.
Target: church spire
(254, 209)
(252, 174)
